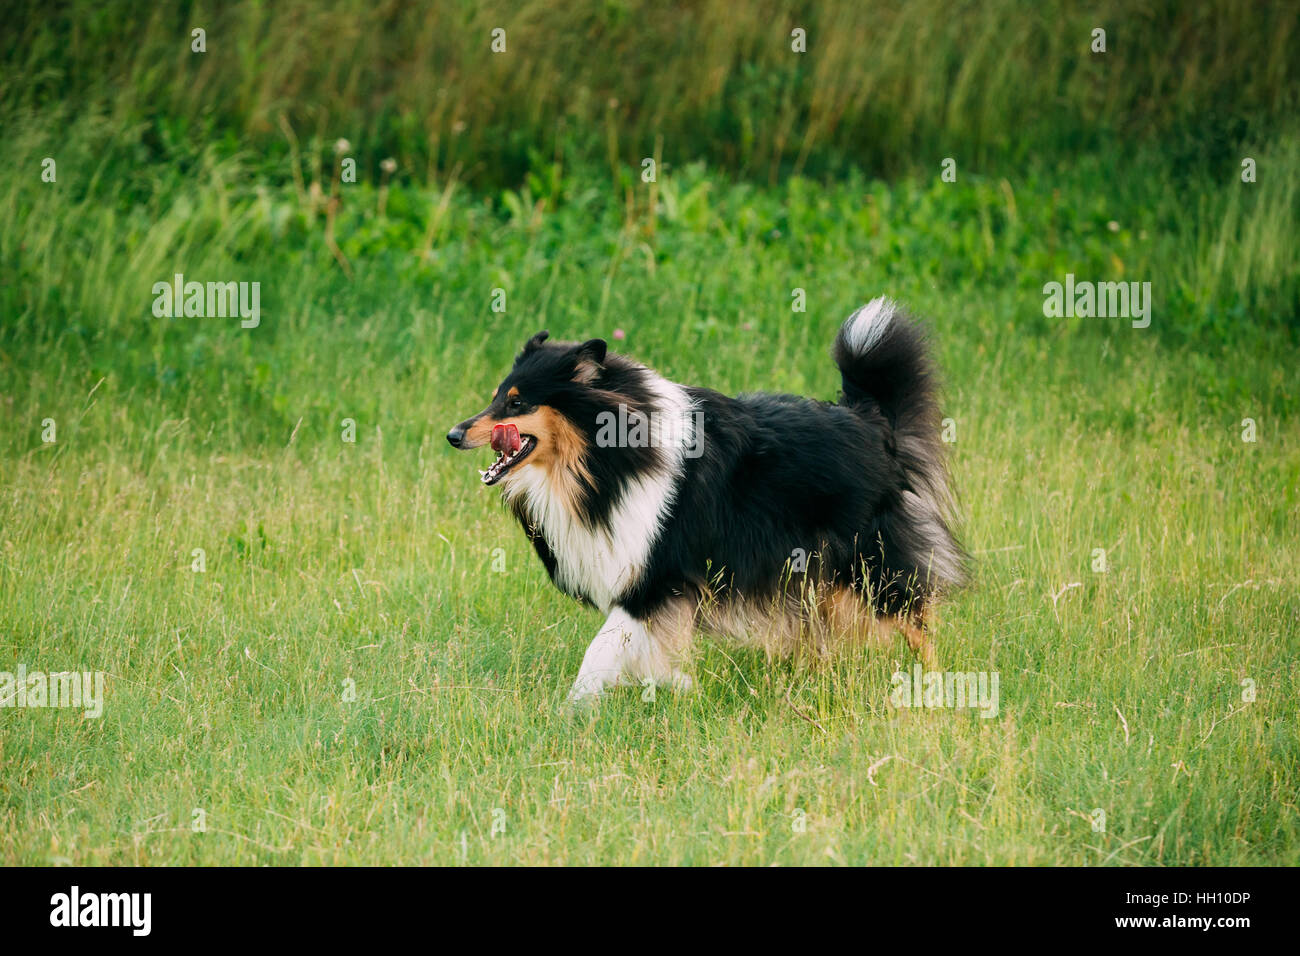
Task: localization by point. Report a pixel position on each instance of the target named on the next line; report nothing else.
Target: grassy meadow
(344, 651)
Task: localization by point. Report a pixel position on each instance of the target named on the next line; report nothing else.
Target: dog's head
(535, 417)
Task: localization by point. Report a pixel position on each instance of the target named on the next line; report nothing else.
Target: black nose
(456, 436)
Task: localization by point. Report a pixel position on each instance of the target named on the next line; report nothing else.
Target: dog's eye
(514, 404)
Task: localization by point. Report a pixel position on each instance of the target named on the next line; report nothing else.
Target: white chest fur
(600, 563)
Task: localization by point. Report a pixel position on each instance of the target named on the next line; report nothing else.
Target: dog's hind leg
(628, 650)
(917, 628)
(849, 617)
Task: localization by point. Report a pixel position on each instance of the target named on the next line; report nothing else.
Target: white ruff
(601, 564)
(864, 327)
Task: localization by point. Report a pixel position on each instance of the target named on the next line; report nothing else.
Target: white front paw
(681, 682)
(586, 689)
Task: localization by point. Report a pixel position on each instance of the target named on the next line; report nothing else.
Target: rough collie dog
(772, 519)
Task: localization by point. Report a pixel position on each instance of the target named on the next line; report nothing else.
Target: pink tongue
(505, 438)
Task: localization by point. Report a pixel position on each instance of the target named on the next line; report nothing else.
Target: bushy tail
(885, 364)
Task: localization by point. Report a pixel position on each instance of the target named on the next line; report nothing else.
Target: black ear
(593, 350)
(588, 358)
(536, 341)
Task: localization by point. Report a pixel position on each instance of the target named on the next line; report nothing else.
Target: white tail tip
(863, 329)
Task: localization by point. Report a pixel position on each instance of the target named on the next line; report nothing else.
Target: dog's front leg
(605, 662)
(626, 651)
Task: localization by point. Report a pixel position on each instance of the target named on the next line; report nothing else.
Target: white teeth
(502, 462)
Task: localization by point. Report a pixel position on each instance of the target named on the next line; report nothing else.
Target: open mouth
(511, 448)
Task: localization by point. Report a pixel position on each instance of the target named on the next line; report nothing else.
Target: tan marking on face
(480, 433)
(513, 393)
(561, 450)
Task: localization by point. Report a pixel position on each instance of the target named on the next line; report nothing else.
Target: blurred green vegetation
(883, 86)
(231, 152)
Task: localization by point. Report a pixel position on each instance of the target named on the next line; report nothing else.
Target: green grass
(329, 562)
